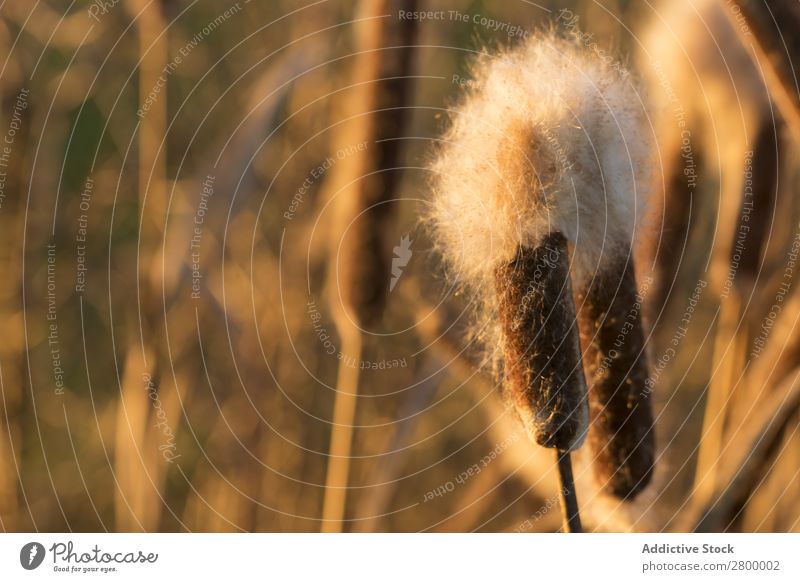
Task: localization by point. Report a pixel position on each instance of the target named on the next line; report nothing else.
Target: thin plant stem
(566, 490)
(727, 369)
(344, 409)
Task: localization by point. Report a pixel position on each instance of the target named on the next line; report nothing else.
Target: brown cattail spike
(621, 436)
(541, 350)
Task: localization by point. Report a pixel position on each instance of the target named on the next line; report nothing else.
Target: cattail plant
(364, 186)
(539, 183)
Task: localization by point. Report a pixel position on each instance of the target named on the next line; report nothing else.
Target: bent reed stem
(344, 411)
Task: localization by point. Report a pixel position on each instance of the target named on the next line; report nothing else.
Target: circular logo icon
(31, 555)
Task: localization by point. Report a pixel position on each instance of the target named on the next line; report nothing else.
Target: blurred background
(186, 206)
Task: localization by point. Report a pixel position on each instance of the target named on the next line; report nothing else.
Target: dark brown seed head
(621, 434)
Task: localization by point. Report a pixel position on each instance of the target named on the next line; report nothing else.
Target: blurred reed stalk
(745, 458)
(770, 30)
(775, 54)
(735, 273)
(746, 70)
(138, 462)
(364, 186)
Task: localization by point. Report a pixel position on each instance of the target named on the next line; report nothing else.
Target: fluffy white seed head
(551, 137)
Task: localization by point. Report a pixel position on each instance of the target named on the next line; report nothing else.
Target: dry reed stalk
(344, 410)
(727, 365)
(415, 401)
(669, 248)
(778, 358)
(772, 505)
(133, 507)
(544, 128)
(775, 49)
(727, 368)
(705, 124)
(140, 464)
(741, 267)
(138, 503)
(381, 93)
(621, 433)
(744, 455)
(379, 99)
